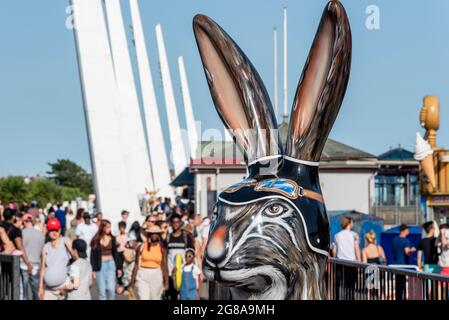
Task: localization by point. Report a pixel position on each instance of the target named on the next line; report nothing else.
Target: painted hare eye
(275, 210)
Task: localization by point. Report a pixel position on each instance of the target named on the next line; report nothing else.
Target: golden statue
(434, 160)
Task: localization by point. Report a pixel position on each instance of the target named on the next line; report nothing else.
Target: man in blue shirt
(60, 214)
(402, 250)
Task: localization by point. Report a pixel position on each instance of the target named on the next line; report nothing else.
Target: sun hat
(153, 229)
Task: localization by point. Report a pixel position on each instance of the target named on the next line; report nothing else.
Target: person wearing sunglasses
(190, 277)
(150, 275)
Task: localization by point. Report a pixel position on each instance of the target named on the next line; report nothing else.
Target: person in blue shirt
(402, 250)
(60, 214)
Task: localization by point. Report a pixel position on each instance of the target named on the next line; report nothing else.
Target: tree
(13, 189)
(68, 174)
(45, 191)
(42, 190)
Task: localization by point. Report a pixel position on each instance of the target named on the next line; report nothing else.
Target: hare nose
(216, 246)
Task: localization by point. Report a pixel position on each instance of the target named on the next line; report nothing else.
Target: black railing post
(15, 277)
(9, 277)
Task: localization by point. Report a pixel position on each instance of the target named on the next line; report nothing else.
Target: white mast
(285, 62)
(275, 99)
(190, 119)
(136, 152)
(178, 154)
(158, 155)
(101, 110)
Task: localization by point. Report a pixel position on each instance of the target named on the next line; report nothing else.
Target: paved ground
(94, 294)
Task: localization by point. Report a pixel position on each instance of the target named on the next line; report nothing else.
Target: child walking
(80, 280)
(190, 277)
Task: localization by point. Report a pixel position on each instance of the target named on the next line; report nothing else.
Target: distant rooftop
(397, 154)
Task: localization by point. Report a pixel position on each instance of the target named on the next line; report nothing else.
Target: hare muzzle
(216, 247)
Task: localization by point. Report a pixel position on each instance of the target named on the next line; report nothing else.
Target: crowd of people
(432, 250)
(82, 256)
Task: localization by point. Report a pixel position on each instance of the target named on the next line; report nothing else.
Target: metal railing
(345, 280)
(9, 277)
(348, 280)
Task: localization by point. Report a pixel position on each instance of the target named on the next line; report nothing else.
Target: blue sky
(41, 110)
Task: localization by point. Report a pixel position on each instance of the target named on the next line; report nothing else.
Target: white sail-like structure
(178, 154)
(101, 110)
(132, 133)
(158, 155)
(190, 119)
(285, 64)
(275, 70)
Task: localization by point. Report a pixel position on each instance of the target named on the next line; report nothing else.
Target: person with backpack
(177, 242)
(55, 261)
(150, 274)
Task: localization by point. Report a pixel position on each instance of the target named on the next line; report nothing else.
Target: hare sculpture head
(269, 236)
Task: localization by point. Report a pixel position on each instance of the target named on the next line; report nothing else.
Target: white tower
(136, 152)
(285, 63)
(178, 154)
(101, 110)
(156, 145)
(190, 119)
(275, 63)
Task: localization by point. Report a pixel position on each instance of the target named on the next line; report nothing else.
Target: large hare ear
(237, 91)
(322, 86)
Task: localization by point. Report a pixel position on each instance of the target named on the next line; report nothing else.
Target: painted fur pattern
(260, 239)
